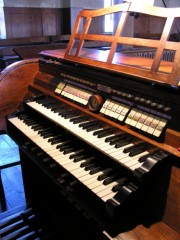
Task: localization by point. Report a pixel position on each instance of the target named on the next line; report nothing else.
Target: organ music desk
(98, 133)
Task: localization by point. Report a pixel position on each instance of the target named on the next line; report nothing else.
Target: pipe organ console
(99, 140)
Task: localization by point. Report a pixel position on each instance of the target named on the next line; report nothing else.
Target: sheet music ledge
(151, 69)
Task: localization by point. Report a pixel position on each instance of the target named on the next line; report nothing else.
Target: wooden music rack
(156, 69)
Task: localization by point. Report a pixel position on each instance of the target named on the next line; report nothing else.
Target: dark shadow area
(147, 208)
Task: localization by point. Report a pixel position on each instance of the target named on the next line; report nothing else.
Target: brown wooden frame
(151, 69)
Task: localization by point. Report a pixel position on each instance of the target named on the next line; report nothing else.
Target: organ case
(100, 134)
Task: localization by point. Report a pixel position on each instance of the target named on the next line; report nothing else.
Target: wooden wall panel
(51, 21)
(32, 22)
(148, 25)
(23, 24)
(152, 27)
(48, 24)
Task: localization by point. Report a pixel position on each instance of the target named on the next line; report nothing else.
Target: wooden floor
(11, 179)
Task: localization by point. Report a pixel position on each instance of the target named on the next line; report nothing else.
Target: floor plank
(11, 178)
(8, 150)
(13, 186)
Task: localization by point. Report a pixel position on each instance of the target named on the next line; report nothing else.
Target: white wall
(169, 3)
(90, 4)
(54, 3)
(173, 3)
(159, 3)
(2, 24)
(77, 6)
(34, 3)
(1, 3)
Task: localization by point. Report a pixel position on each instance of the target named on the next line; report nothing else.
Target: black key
(134, 147)
(128, 149)
(54, 138)
(116, 136)
(92, 128)
(77, 153)
(47, 102)
(79, 119)
(64, 147)
(48, 134)
(63, 144)
(88, 124)
(29, 121)
(122, 143)
(90, 167)
(87, 163)
(23, 116)
(42, 129)
(50, 105)
(85, 124)
(83, 164)
(42, 100)
(137, 151)
(67, 112)
(114, 142)
(95, 170)
(57, 109)
(39, 127)
(105, 134)
(79, 158)
(121, 182)
(68, 150)
(105, 174)
(143, 158)
(33, 126)
(70, 115)
(110, 179)
(89, 159)
(118, 139)
(61, 112)
(55, 141)
(101, 132)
